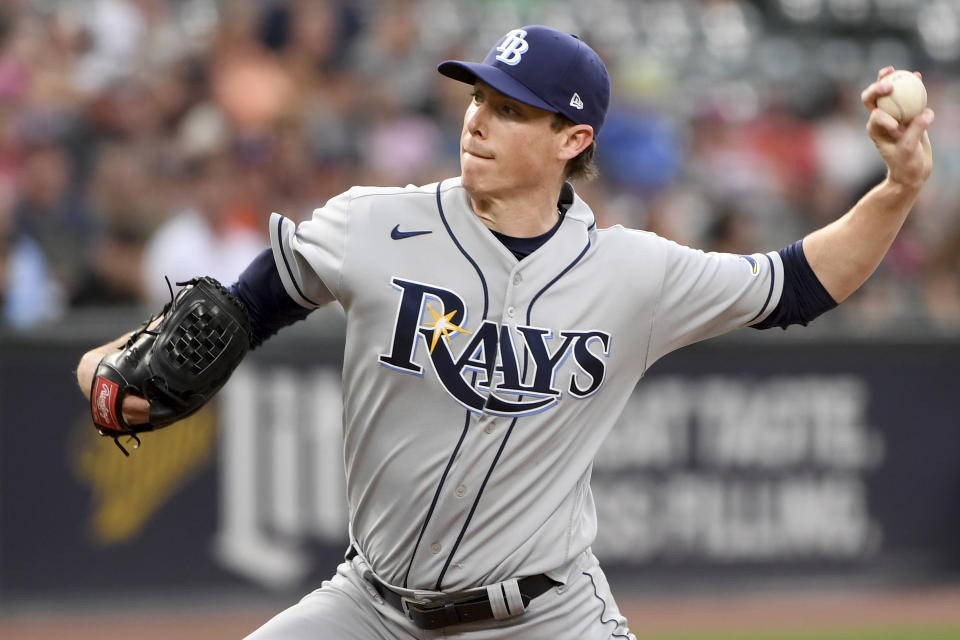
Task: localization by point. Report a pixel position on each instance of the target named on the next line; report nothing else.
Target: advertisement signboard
(732, 459)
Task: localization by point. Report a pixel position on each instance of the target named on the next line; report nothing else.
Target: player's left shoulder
(627, 239)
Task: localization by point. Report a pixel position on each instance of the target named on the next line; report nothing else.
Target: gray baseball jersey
(478, 388)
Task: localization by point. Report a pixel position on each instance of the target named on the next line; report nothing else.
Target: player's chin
(476, 164)
(474, 174)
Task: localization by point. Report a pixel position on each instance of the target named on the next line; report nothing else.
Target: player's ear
(573, 140)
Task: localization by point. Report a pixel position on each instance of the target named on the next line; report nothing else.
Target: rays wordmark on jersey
(492, 372)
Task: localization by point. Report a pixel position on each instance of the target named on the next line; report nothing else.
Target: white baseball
(908, 98)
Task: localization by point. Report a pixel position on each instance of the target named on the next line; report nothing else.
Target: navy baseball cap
(544, 68)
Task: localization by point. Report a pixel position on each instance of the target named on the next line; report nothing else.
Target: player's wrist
(902, 186)
(86, 368)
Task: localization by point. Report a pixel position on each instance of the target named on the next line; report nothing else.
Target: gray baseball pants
(347, 607)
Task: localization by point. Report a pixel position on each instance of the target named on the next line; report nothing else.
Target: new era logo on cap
(544, 68)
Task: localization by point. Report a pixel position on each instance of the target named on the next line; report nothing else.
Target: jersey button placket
(509, 310)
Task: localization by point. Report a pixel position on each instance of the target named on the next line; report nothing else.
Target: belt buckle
(431, 614)
(419, 604)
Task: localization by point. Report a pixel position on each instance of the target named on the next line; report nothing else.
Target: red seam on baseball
(899, 107)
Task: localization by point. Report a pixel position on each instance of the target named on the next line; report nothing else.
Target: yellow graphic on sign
(126, 492)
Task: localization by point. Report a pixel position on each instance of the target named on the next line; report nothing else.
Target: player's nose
(475, 120)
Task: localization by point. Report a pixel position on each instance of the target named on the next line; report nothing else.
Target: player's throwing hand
(904, 147)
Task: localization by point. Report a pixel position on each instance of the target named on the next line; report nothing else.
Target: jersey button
(511, 311)
(435, 548)
(461, 491)
(489, 428)
(517, 279)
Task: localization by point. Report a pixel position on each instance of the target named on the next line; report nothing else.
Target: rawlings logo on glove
(203, 334)
(105, 399)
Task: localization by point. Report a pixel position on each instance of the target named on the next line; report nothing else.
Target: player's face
(507, 146)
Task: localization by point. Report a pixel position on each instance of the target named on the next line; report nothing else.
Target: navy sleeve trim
(270, 306)
(773, 280)
(804, 296)
(286, 263)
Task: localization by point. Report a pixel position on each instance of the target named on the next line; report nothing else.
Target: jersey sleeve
(309, 256)
(707, 294)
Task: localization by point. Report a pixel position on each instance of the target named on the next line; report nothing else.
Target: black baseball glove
(178, 365)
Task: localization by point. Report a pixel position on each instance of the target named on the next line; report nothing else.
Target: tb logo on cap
(513, 47)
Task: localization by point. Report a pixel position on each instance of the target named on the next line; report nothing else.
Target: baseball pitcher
(494, 334)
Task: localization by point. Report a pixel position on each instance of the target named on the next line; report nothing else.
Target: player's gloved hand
(170, 368)
(135, 409)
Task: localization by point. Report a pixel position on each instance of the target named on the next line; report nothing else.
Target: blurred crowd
(149, 138)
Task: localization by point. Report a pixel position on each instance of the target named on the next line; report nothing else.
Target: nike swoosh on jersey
(396, 234)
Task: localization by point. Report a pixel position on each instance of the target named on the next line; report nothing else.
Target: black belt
(435, 615)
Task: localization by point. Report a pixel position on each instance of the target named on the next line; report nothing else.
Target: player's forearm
(89, 360)
(847, 251)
